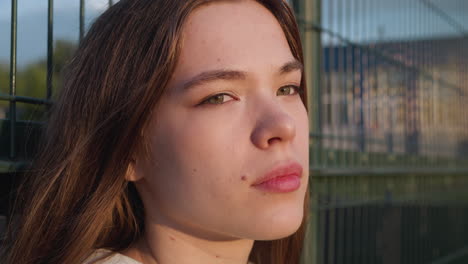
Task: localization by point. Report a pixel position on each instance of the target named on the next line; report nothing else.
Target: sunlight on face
(232, 114)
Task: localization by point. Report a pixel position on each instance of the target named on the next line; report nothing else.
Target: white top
(112, 258)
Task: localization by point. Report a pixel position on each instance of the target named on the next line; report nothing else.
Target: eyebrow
(232, 75)
(291, 66)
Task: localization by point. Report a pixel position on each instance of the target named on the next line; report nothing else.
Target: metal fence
(389, 138)
(19, 132)
(389, 171)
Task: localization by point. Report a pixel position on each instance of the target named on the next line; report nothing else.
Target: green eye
(217, 99)
(288, 90)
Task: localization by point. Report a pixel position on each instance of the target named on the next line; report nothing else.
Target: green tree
(4, 87)
(32, 80)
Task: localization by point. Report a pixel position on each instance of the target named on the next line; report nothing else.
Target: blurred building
(403, 97)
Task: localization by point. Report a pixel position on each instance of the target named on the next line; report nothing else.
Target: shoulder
(104, 256)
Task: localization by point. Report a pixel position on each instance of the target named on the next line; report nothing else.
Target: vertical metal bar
(348, 242)
(369, 87)
(361, 125)
(464, 80)
(329, 87)
(426, 93)
(344, 218)
(326, 241)
(329, 48)
(352, 29)
(431, 217)
(421, 126)
(404, 226)
(374, 183)
(410, 227)
(50, 47)
(433, 103)
(360, 222)
(322, 247)
(367, 236)
(461, 79)
(311, 12)
(344, 104)
(318, 253)
(375, 194)
(424, 111)
(417, 91)
(413, 86)
(111, 3)
(412, 42)
(408, 75)
(356, 232)
(332, 221)
(13, 43)
(342, 86)
(367, 81)
(332, 75)
(348, 143)
(314, 11)
(338, 220)
(82, 14)
(367, 28)
(404, 79)
(425, 204)
(395, 103)
(375, 98)
(430, 87)
(320, 89)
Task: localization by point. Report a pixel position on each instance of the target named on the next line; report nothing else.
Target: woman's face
(230, 116)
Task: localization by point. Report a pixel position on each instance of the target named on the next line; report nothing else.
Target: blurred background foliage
(31, 81)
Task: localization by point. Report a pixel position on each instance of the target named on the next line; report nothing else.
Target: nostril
(273, 140)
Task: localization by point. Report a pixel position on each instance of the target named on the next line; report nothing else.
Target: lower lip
(282, 184)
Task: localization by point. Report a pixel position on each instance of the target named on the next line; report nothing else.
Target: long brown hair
(76, 198)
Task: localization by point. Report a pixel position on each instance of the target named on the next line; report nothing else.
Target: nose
(273, 126)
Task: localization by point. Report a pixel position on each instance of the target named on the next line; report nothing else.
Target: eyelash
(298, 90)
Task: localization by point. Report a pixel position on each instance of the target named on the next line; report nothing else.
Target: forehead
(232, 34)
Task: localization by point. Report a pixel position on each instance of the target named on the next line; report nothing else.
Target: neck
(162, 244)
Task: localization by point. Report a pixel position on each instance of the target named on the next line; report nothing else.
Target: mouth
(281, 179)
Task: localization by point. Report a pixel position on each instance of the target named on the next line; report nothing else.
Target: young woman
(180, 136)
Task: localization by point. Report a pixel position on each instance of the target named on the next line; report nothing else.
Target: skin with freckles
(231, 114)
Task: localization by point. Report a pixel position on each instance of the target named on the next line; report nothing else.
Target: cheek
(198, 172)
(195, 154)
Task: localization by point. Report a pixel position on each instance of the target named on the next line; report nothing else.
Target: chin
(280, 226)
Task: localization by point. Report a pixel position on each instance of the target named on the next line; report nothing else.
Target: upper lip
(283, 169)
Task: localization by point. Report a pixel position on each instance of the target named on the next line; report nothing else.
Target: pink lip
(285, 178)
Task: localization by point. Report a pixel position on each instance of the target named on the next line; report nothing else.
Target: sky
(386, 20)
(26, 7)
(356, 20)
(32, 25)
